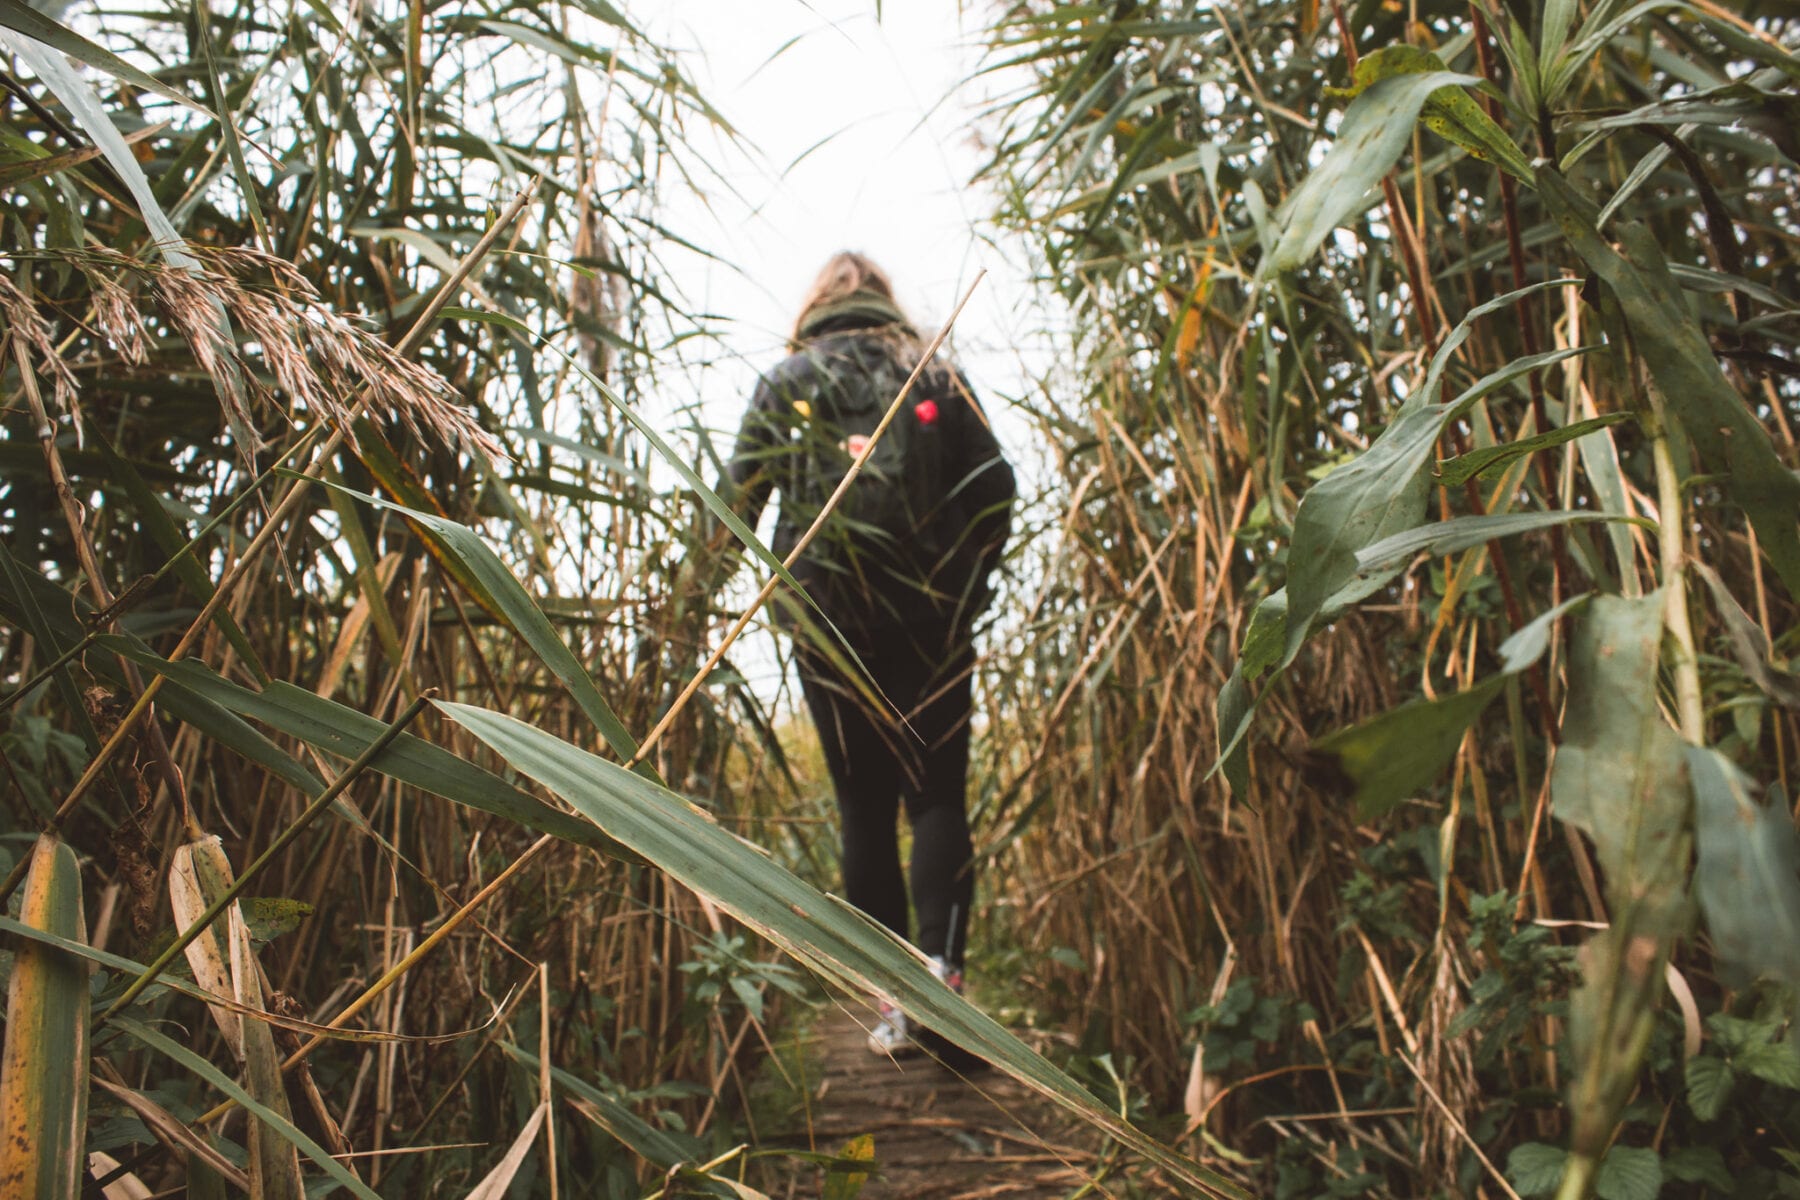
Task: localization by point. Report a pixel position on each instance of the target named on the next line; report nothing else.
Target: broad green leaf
(1235, 710)
(1266, 638)
(1449, 111)
(1732, 443)
(1700, 1164)
(1709, 1082)
(286, 1129)
(1394, 755)
(1773, 1058)
(825, 934)
(1747, 874)
(1382, 492)
(1375, 131)
(1534, 1168)
(1454, 472)
(1398, 753)
(1629, 1173)
(1621, 777)
(1529, 643)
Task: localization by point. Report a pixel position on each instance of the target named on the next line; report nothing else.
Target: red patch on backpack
(926, 411)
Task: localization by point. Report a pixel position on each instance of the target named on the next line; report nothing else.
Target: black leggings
(876, 761)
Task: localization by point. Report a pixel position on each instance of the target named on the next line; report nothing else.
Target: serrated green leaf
(1700, 1164)
(1535, 1169)
(1772, 1061)
(1629, 1173)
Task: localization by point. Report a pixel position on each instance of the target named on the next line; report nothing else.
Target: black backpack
(897, 514)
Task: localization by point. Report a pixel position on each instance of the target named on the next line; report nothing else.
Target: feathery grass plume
(29, 330)
(320, 362)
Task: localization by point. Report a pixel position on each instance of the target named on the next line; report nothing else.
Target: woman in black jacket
(901, 570)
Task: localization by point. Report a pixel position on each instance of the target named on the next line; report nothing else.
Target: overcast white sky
(859, 137)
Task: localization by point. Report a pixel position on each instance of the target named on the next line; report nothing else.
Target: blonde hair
(844, 275)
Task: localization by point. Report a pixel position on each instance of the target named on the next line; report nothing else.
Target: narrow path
(936, 1136)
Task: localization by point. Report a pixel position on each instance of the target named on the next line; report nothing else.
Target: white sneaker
(949, 974)
(892, 1035)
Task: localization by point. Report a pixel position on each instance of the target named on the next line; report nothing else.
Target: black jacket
(940, 576)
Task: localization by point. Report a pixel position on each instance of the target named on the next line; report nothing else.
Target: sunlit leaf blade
(825, 934)
(22, 18)
(44, 1068)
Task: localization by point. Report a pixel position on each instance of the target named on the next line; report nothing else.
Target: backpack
(896, 513)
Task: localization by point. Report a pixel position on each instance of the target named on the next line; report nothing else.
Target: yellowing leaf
(44, 1070)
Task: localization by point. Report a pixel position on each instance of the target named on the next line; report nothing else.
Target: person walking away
(901, 568)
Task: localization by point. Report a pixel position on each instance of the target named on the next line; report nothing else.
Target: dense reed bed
(1424, 585)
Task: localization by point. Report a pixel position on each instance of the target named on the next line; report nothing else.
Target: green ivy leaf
(1534, 1168)
(1708, 1085)
(1629, 1173)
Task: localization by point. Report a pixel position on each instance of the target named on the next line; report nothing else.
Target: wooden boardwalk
(936, 1136)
